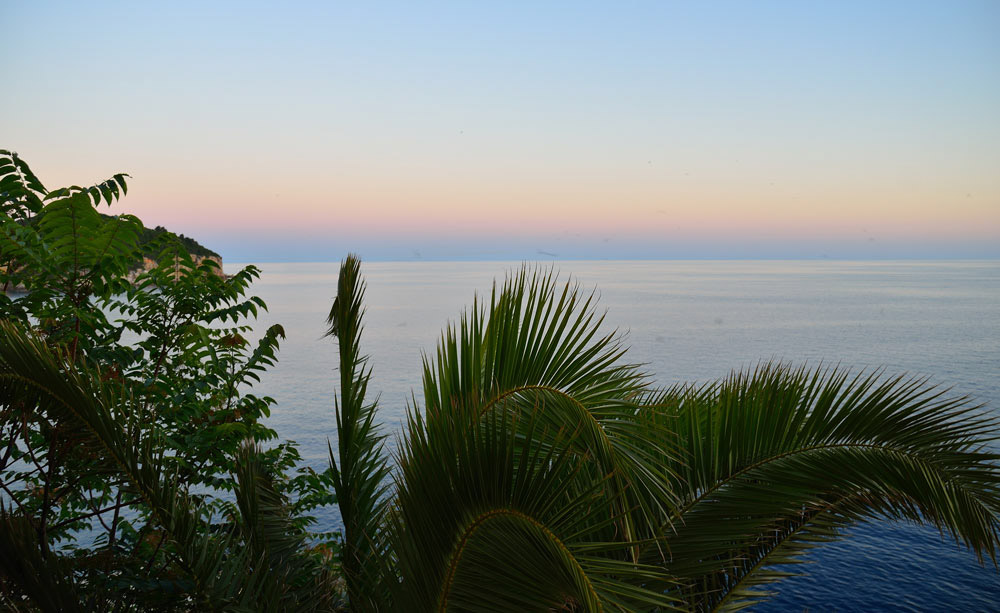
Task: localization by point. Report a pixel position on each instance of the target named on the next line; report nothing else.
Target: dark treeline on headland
(151, 238)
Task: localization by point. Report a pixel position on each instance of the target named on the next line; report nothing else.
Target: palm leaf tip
(779, 459)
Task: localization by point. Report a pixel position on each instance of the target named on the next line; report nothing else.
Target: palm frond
(360, 470)
(28, 576)
(503, 499)
(776, 454)
(538, 343)
(532, 335)
(266, 529)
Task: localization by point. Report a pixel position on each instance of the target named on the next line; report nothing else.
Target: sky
(302, 131)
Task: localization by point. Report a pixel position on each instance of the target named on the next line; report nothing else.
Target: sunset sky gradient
(523, 130)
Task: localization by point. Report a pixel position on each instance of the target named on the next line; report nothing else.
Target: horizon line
(991, 259)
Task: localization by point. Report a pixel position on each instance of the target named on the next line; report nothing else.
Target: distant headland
(149, 244)
(150, 241)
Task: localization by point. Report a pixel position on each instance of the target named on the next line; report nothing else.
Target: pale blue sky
(474, 130)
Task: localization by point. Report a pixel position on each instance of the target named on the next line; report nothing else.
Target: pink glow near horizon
(849, 121)
(709, 213)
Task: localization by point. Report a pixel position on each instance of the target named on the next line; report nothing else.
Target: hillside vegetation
(150, 240)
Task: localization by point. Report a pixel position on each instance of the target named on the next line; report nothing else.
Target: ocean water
(692, 321)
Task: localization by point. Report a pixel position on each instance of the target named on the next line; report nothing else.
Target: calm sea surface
(692, 321)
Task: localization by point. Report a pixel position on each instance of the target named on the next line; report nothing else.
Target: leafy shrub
(172, 339)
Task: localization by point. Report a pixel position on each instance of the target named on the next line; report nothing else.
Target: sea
(688, 321)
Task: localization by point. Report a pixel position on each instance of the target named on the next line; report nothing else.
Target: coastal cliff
(150, 244)
(146, 265)
(149, 263)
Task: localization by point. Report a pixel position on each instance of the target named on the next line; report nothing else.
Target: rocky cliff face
(149, 264)
(215, 258)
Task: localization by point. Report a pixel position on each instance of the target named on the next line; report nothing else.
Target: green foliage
(151, 240)
(245, 563)
(170, 347)
(57, 247)
(360, 471)
(543, 472)
(778, 460)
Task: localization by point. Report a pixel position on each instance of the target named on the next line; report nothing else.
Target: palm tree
(544, 472)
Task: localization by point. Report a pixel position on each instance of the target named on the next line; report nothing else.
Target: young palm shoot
(360, 471)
